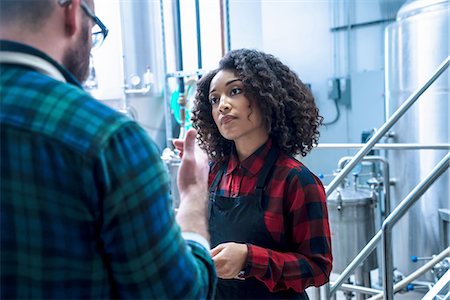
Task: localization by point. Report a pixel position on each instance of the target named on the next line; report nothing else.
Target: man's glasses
(99, 31)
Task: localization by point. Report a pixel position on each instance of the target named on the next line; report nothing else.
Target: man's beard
(76, 59)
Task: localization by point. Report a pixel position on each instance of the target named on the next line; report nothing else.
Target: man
(85, 206)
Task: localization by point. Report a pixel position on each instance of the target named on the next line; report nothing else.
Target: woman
(268, 219)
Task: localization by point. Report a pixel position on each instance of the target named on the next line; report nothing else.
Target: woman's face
(236, 117)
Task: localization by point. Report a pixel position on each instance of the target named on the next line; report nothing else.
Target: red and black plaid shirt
(296, 209)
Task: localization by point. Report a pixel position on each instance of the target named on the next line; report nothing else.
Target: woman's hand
(229, 259)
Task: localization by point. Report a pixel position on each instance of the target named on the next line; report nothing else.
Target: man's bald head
(28, 13)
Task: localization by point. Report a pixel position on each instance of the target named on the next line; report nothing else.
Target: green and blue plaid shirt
(85, 206)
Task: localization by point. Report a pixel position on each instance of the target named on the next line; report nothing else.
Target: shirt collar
(28, 51)
(252, 164)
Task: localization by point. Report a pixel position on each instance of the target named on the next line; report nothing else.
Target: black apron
(241, 220)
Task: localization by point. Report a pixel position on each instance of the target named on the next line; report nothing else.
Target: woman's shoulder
(291, 168)
(288, 162)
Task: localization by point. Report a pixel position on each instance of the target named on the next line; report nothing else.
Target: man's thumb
(189, 142)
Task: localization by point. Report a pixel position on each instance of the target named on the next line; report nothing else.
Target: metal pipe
(222, 27)
(365, 252)
(199, 34)
(359, 289)
(403, 146)
(386, 178)
(386, 126)
(387, 80)
(444, 280)
(419, 272)
(178, 42)
(387, 264)
(315, 291)
(400, 210)
(167, 112)
(360, 280)
(363, 24)
(225, 25)
(325, 293)
(179, 66)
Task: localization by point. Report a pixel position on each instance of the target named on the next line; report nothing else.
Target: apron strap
(271, 159)
(260, 184)
(216, 180)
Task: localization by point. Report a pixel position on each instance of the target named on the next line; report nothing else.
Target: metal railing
(440, 285)
(417, 273)
(385, 146)
(385, 232)
(386, 126)
(398, 212)
(387, 262)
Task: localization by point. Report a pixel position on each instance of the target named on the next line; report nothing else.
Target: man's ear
(71, 16)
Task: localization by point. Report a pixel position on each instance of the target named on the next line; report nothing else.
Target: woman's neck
(245, 148)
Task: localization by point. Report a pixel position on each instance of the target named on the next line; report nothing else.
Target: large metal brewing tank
(352, 225)
(142, 41)
(416, 44)
(142, 38)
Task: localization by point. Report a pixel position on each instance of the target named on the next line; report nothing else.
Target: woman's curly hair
(287, 105)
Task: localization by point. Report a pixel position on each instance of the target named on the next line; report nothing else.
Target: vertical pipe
(222, 27)
(399, 211)
(167, 112)
(179, 65)
(348, 32)
(326, 288)
(324, 292)
(225, 26)
(199, 34)
(178, 43)
(387, 263)
(227, 19)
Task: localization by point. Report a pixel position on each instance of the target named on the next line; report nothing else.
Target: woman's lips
(226, 119)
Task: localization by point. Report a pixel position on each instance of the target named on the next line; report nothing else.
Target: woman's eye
(213, 100)
(235, 91)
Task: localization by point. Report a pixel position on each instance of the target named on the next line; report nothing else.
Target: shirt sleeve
(139, 238)
(307, 231)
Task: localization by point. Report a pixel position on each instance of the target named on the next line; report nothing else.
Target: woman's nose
(224, 106)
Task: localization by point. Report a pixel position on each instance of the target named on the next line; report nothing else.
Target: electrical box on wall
(333, 89)
(339, 89)
(345, 88)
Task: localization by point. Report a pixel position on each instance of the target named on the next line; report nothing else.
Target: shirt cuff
(195, 237)
(257, 261)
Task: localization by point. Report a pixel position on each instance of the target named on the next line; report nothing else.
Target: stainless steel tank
(143, 62)
(416, 44)
(352, 223)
